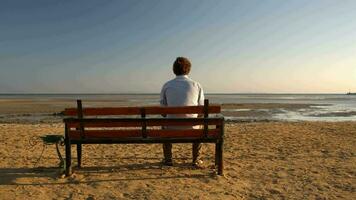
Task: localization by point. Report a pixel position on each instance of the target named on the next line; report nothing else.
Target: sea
(261, 107)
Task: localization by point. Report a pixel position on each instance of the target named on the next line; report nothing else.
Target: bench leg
(79, 155)
(68, 163)
(216, 155)
(219, 157)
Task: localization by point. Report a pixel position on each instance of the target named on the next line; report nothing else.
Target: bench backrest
(92, 123)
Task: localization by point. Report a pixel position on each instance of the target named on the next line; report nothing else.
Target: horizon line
(147, 93)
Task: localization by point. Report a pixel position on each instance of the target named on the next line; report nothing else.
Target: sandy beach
(273, 160)
(270, 85)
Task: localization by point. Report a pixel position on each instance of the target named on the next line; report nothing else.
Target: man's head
(181, 66)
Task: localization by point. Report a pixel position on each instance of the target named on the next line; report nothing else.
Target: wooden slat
(181, 133)
(182, 110)
(86, 120)
(174, 122)
(106, 133)
(80, 116)
(206, 115)
(150, 110)
(92, 123)
(105, 124)
(149, 140)
(144, 124)
(104, 111)
(164, 133)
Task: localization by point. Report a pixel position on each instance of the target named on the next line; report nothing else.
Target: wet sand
(31, 106)
(48, 110)
(274, 160)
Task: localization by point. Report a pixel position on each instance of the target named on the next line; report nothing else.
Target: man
(181, 91)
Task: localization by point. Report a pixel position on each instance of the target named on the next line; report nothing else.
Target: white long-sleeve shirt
(182, 91)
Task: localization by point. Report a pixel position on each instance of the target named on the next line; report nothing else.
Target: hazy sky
(129, 46)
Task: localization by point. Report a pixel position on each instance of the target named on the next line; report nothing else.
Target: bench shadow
(103, 158)
(13, 176)
(10, 175)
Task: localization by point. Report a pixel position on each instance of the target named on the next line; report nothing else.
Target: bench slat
(164, 133)
(92, 123)
(139, 140)
(150, 110)
(75, 134)
(104, 124)
(105, 133)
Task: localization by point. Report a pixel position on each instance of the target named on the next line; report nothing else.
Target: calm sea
(322, 107)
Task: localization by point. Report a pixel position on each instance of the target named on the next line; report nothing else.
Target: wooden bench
(107, 126)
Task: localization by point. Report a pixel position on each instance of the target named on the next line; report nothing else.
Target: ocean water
(322, 107)
(318, 107)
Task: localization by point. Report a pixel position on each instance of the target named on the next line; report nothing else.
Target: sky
(129, 46)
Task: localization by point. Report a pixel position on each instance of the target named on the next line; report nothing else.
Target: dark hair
(181, 66)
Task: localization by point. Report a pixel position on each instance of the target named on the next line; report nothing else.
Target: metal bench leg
(68, 158)
(79, 155)
(219, 149)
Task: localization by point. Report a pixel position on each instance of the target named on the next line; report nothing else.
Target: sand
(273, 160)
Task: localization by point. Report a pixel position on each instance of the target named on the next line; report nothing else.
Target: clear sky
(235, 46)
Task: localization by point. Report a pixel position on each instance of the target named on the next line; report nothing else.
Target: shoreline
(49, 111)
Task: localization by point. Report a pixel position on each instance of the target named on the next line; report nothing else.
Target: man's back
(182, 91)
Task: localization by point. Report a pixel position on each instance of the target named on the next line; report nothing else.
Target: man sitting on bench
(181, 91)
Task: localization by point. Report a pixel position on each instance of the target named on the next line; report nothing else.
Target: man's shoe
(198, 164)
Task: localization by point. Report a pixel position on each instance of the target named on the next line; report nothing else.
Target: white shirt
(182, 91)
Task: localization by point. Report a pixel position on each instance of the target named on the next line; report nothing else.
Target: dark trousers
(167, 151)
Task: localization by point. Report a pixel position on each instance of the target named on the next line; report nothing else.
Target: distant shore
(44, 110)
